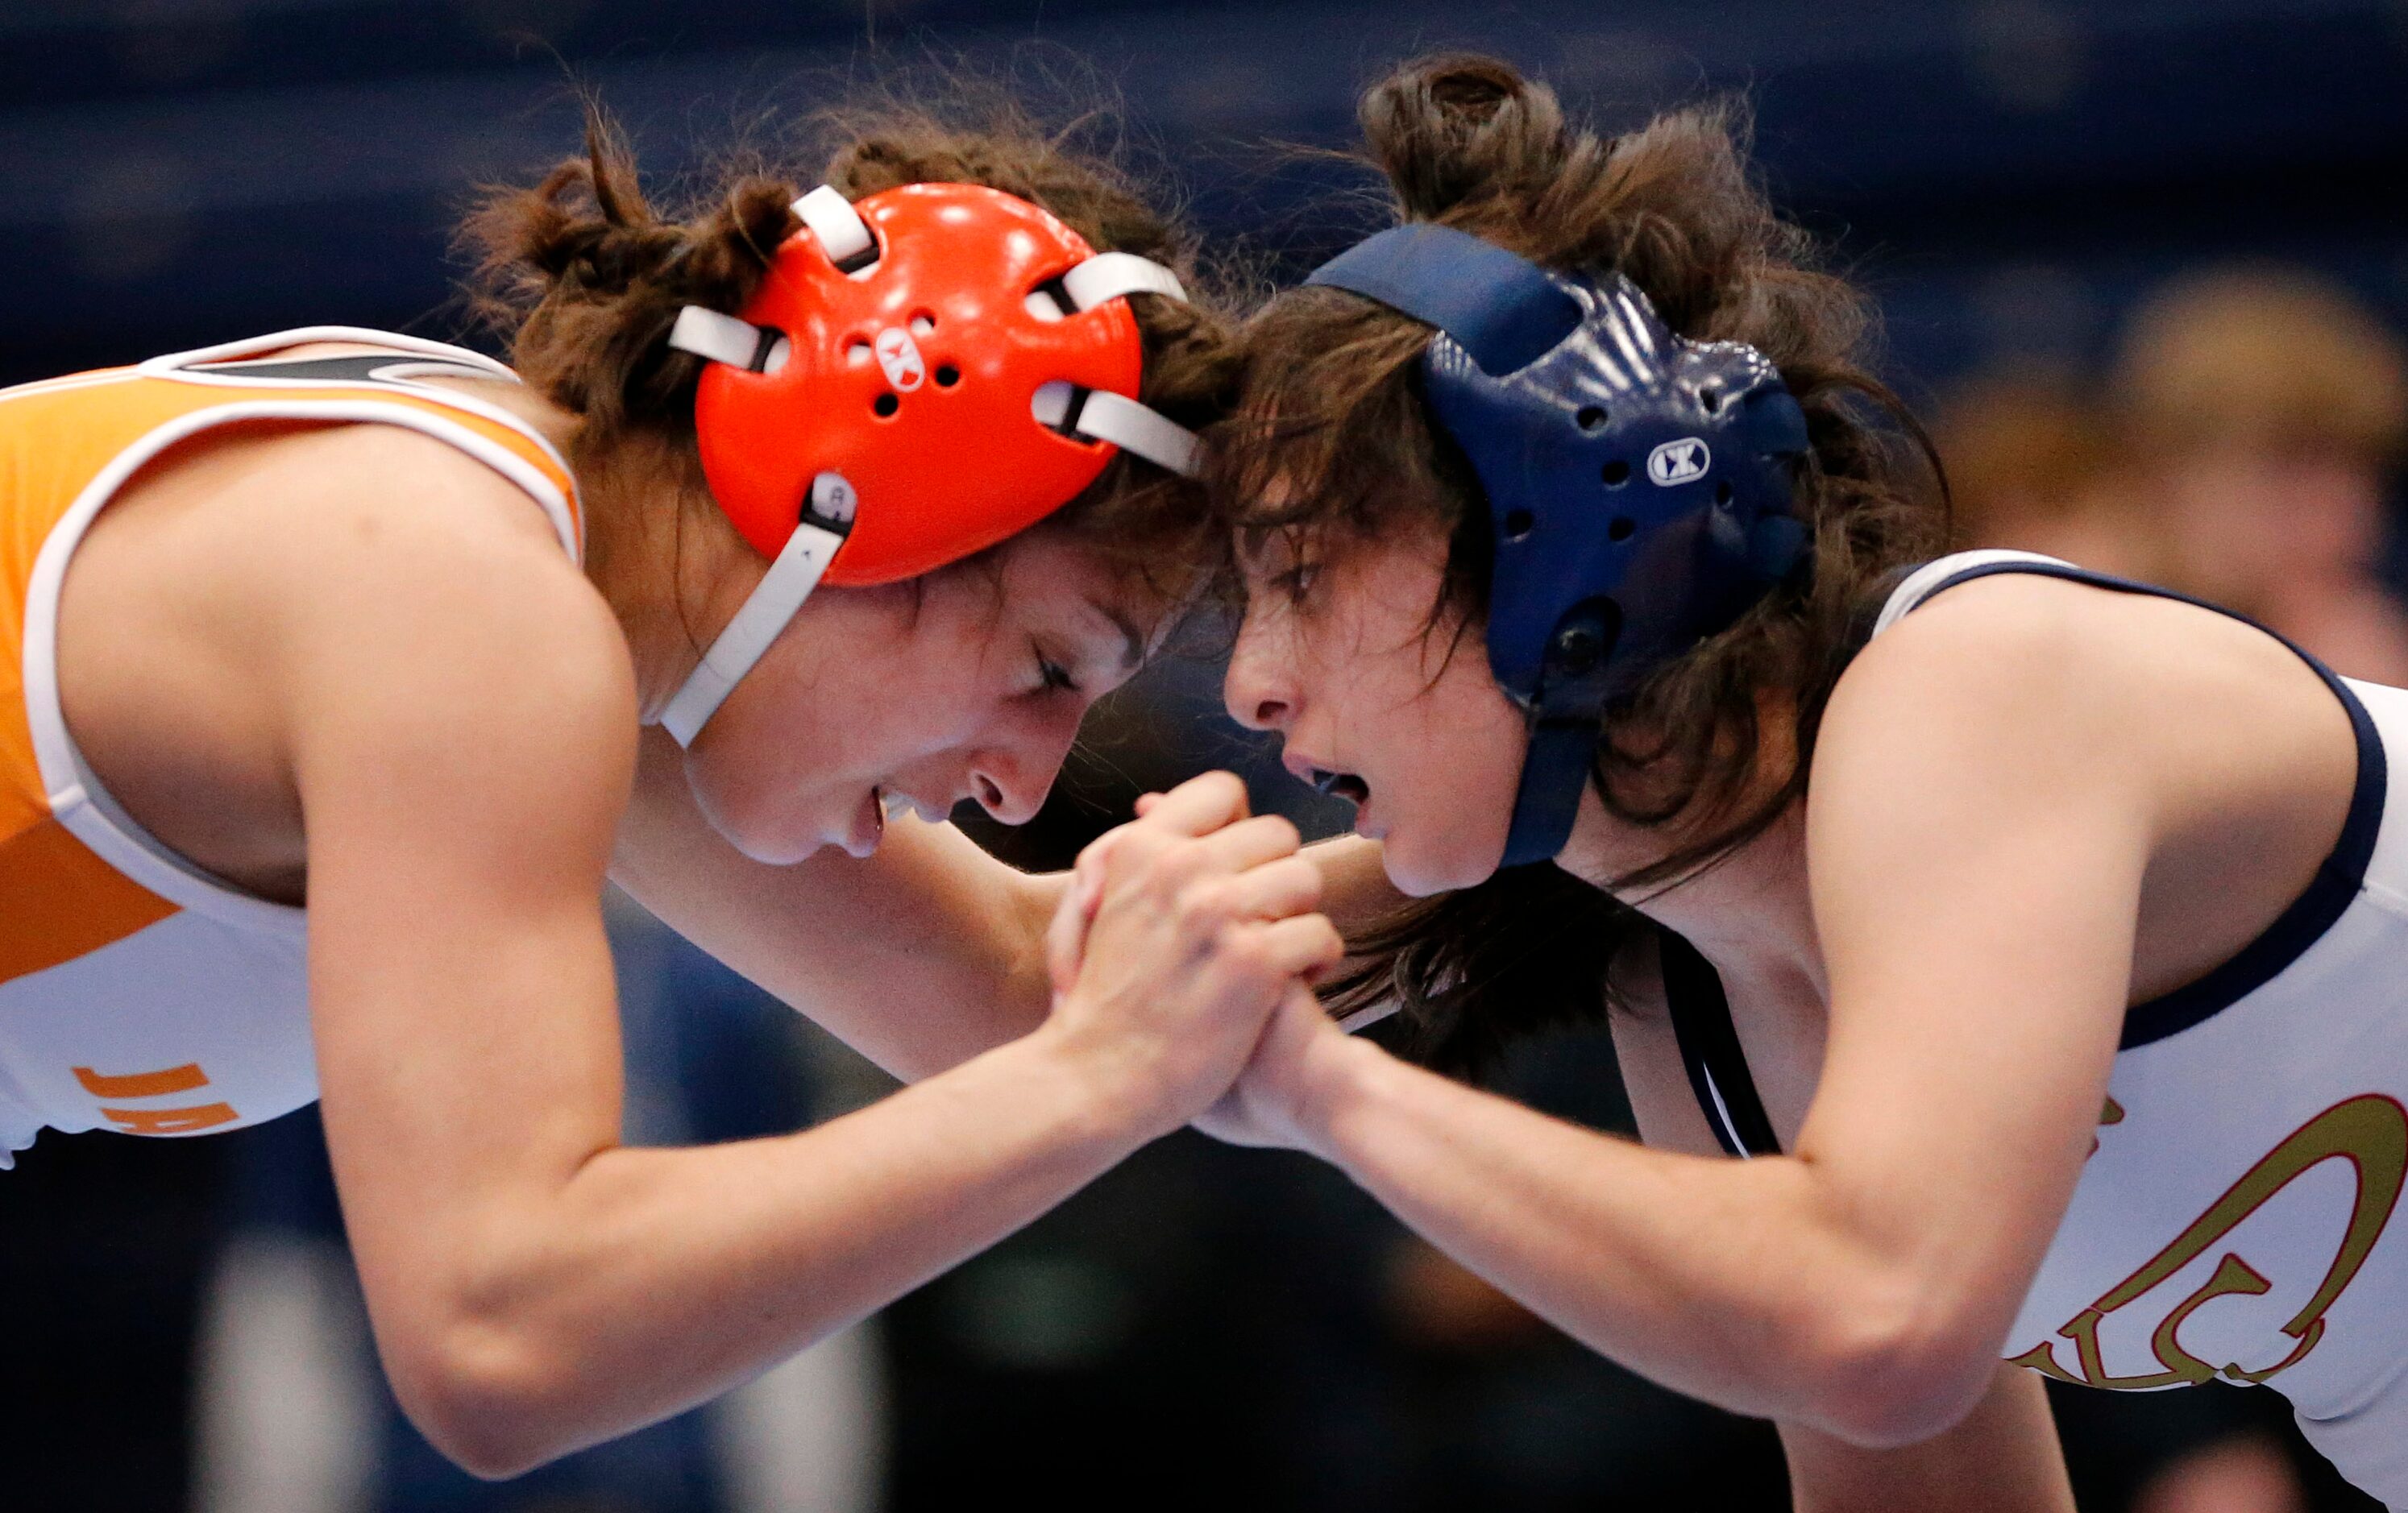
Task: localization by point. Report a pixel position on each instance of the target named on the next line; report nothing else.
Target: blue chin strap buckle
(1639, 484)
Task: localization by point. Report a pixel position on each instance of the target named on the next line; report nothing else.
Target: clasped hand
(1185, 951)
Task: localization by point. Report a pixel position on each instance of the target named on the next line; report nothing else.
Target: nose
(1011, 775)
(1260, 691)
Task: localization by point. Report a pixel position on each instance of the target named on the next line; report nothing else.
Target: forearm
(1738, 1282)
(2002, 1457)
(650, 1280)
(1355, 892)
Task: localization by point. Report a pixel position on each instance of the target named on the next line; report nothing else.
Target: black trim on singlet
(1700, 1013)
(1710, 1050)
(390, 368)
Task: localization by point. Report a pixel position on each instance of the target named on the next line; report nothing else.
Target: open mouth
(1345, 785)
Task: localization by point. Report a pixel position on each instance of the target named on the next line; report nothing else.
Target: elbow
(491, 1404)
(1896, 1372)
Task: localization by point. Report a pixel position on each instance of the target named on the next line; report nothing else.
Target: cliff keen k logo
(1678, 462)
(898, 355)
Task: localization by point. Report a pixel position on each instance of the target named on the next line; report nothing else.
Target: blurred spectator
(2263, 409)
(2027, 453)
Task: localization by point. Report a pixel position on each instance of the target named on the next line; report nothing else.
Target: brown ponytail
(1330, 439)
(585, 277)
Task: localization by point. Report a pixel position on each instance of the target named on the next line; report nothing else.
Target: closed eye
(1298, 582)
(1052, 675)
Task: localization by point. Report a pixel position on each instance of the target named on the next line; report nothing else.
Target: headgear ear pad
(1638, 484)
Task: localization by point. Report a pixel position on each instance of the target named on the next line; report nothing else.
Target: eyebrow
(1132, 644)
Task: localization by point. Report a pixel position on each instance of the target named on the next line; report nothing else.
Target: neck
(667, 560)
(1750, 913)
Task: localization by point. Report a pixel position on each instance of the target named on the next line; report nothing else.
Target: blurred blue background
(2006, 172)
(1206, 1327)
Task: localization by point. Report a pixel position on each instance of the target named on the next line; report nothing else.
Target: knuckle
(1244, 948)
(1205, 899)
(1175, 869)
(1303, 880)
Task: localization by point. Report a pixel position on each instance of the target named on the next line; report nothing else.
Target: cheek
(776, 770)
(1460, 759)
(766, 817)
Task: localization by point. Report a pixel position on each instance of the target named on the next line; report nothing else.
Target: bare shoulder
(383, 488)
(2002, 664)
(2031, 667)
(396, 565)
(1996, 632)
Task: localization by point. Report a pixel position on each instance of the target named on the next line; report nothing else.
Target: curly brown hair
(584, 278)
(1330, 439)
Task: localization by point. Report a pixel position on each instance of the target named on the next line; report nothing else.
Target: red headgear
(921, 376)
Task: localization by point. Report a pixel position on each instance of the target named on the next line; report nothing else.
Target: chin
(1419, 872)
(769, 846)
(776, 852)
(776, 841)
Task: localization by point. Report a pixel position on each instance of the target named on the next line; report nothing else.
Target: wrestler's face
(966, 684)
(1381, 696)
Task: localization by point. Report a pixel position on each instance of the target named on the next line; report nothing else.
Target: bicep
(2002, 1457)
(920, 956)
(462, 742)
(1975, 876)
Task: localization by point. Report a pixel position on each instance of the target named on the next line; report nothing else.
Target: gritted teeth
(899, 805)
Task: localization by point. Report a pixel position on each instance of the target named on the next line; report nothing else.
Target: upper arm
(460, 716)
(920, 956)
(1977, 831)
(2003, 1457)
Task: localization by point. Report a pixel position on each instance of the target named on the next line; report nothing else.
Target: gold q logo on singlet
(2370, 1132)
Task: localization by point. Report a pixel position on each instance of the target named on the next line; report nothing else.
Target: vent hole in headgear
(1616, 473)
(856, 352)
(1722, 492)
(885, 404)
(1590, 417)
(1518, 523)
(948, 375)
(923, 323)
(1620, 528)
(1711, 398)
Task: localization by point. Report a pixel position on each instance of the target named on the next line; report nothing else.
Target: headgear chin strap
(922, 374)
(1637, 483)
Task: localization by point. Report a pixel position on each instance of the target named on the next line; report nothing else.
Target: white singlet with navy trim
(2238, 1218)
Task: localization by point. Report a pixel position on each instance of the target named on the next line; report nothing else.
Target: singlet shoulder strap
(1710, 1050)
(257, 379)
(398, 360)
(1921, 583)
(1701, 1012)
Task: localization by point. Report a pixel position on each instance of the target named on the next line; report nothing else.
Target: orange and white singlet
(2238, 1218)
(138, 992)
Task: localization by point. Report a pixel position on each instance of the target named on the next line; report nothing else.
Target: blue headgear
(1637, 483)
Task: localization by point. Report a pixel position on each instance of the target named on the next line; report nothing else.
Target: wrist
(1116, 1088)
(1338, 1088)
